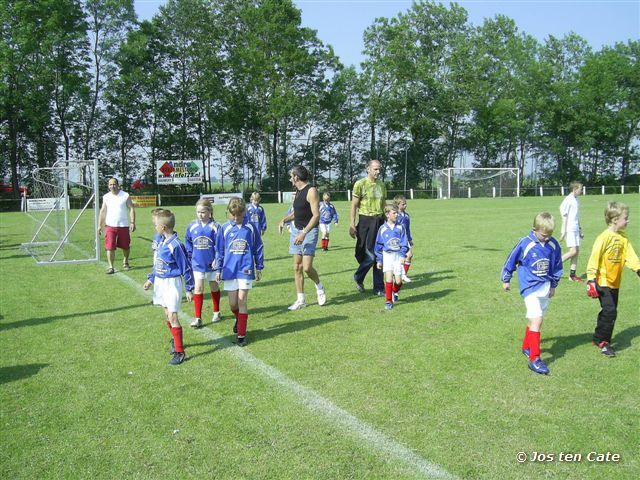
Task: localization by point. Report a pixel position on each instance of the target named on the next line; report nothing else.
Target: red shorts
(116, 237)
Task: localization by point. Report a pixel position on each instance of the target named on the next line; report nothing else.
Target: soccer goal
(477, 182)
(64, 210)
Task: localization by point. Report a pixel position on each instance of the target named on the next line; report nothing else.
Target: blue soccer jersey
(171, 261)
(391, 239)
(537, 263)
(155, 245)
(328, 213)
(404, 220)
(239, 251)
(255, 214)
(200, 242)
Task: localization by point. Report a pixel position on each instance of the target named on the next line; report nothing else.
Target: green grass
(87, 392)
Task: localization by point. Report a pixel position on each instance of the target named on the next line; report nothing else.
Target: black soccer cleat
(178, 358)
(241, 341)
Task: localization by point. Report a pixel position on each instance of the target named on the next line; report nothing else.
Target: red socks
(215, 296)
(176, 332)
(388, 288)
(325, 243)
(406, 266)
(197, 303)
(396, 288)
(525, 340)
(242, 324)
(534, 345)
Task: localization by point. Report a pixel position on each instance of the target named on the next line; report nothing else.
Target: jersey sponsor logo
(394, 244)
(255, 218)
(540, 268)
(238, 246)
(160, 266)
(202, 243)
(614, 252)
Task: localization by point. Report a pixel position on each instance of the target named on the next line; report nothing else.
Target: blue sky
(341, 23)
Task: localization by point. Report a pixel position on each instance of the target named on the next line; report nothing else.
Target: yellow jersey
(611, 252)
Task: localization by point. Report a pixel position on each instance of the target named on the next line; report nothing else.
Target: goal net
(477, 182)
(64, 212)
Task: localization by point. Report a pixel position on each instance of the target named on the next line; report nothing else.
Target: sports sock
(301, 297)
(169, 324)
(235, 313)
(406, 266)
(177, 339)
(388, 288)
(319, 286)
(572, 273)
(525, 340)
(215, 297)
(242, 324)
(397, 287)
(534, 345)
(326, 245)
(197, 304)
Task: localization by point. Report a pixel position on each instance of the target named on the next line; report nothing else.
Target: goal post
(64, 208)
(477, 182)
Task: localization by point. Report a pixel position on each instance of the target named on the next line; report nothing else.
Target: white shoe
(406, 279)
(197, 323)
(216, 317)
(322, 296)
(297, 305)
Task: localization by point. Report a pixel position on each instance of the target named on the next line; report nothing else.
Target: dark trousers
(367, 231)
(608, 314)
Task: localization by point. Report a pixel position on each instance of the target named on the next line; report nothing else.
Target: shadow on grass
(261, 334)
(18, 372)
(30, 322)
(561, 345)
(475, 247)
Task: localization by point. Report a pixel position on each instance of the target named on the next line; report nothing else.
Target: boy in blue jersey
(538, 259)
(328, 214)
(155, 245)
(200, 242)
(169, 268)
(255, 213)
(239, 260)
(400, 201)
(391, 249)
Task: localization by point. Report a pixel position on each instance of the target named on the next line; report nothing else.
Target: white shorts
(237, 284)
(167, 292)
(537, 301)
(325, 228)
(211, 276)
(392, 262)
(572, 239)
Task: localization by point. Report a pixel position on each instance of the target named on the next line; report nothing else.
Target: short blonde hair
(236, 206)
(204, 202)
(156, 211)
(326, 196)
(255, 196)
(614, 211)
(399, 198)
(545, 222)
(390, 207)
(575, 184)
(167, 219)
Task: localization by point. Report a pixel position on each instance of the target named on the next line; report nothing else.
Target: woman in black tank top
(304, 234)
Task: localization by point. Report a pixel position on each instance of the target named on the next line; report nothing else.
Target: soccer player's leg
(198, 298)
(215, 298)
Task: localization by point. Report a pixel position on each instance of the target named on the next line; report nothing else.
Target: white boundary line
(385, 446)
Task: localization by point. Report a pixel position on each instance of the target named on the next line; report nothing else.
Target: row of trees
(242, 85)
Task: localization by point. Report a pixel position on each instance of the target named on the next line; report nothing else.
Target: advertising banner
(179, 172)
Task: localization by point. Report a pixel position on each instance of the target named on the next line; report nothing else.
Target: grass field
(437, 387)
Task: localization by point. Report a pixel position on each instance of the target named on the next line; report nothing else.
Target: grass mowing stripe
(318, 404)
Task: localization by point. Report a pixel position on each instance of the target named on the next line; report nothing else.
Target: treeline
(242, 85)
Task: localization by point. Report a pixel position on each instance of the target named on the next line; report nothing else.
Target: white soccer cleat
(322, 296)
(216, 317)
(406, 279)
(297, 305)
(197, 323)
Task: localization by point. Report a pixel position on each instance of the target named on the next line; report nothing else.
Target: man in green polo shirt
(368, 200)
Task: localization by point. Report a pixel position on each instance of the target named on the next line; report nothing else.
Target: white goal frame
(444, 191)
(60, 170)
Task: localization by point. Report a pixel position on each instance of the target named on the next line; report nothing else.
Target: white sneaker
(322, 296)
(406, 279)
(197, 323)
(216, 317)
(297, 305)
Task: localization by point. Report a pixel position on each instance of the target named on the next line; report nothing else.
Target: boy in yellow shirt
(611, 252)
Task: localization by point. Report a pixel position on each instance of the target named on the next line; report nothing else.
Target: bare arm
(314, 201)
(102, 217)
(132, 215)
(355, 203)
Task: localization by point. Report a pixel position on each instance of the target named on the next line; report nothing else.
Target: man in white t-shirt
(571, 231)
(117, 219)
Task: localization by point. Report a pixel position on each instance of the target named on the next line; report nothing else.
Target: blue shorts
(308, 246)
